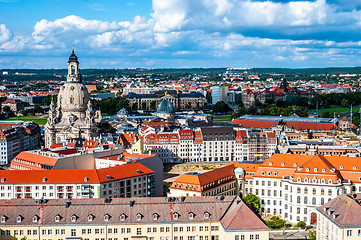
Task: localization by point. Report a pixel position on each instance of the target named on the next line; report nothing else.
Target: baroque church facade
(74, 116)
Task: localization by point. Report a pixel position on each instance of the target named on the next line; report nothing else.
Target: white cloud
(5, 34)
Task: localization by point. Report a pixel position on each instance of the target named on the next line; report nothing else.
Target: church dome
(73, 96)
(165, 106)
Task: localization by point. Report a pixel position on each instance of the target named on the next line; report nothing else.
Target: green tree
(6, 109)
(24, 113)
(144, 106)
(312, 235)
(252, 201)
(209, 97)
(301, 224)
(276, 222)
(221, 107)
(135, 106)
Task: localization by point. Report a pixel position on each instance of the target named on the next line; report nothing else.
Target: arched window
(306, 190)
(329, 192)
(71, 100)
(72, 69)
(314, 191)
(313, 201)
(298, 199)
(298, 190)
(322, 191)
(322, 201)
(305, 200)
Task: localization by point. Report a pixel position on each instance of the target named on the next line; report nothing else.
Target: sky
(180, 33)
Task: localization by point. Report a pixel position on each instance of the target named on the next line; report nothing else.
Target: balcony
(60, 190)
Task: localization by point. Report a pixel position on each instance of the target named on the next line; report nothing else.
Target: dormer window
(35, 219)
(282, 164)
(86, 179)
(106, 217)
(207, 215)
(90, 217)
(330, 181)
(270, 163)
(57, 218)
(341, 167)
(176, 215)
(155, 216)
(275, 173)
(354, 168)
(19, 218)
(307, 169)
(4, 218)
(191, 215)
(315, 169)
(123, 217)
(299, 179)
(323, 169)
(44, 179)
(269, 173)
(295, 164)
(263, 173)
(139, 216)
(3, 179)
(74, 218)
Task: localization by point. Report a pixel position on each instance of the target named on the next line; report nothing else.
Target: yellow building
(340, 218)
(160, 218)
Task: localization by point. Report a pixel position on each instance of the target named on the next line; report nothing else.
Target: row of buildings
(290, 186)
(210, 144)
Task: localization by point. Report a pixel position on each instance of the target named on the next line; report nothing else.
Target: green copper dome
(165, 106)
(238, 170)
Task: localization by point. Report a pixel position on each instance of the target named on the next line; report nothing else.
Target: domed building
(166, 111)
(74, 116)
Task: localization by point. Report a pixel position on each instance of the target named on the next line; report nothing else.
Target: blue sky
(180, 33)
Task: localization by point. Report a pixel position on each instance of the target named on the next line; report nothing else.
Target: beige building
(340, 218)
(74, 116)
(186, 218)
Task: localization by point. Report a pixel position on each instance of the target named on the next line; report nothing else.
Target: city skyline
(180, 34)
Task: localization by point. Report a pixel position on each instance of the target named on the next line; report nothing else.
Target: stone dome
(165, 106)
(73, 96)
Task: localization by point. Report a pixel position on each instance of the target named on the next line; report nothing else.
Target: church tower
(74, 116)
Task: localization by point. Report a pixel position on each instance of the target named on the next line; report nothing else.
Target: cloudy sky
(180, 33)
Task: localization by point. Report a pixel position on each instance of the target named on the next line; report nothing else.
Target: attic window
(155, 216)
(106, 217)
(123, 217)
(275, 173)
(109, 177)
(354, 168)
(263, 173)
(306, 180)
(295, 164)
(315, 169)
(45, 179)
(359, 178)
(307, 169)
(191, 215)
(139, 216)
(341, 167)
(299, 179)
(175, 215)
(330, 181)
(207, 215)
(86, 179)
(35, 219)
(270, 163)
(3, 179)
(4, 218)
(74, 218)
(282, 164)
(90, 217)
(323, 169)
(19, 218)
(57, 218)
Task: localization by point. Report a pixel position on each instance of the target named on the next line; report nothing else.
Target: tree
(312, 235)
(144, 106)
(24, 113)
(209, 97)
(301, 224)
(276, 222)
(6, 109)
(252, 201)
(221, 107)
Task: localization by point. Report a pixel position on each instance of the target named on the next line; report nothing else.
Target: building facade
(127, 180)
(340, 218)
(74, 116)
(187, 218)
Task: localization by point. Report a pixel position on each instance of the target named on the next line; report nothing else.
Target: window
(349, 233)
(139, 231)
(73, 232)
